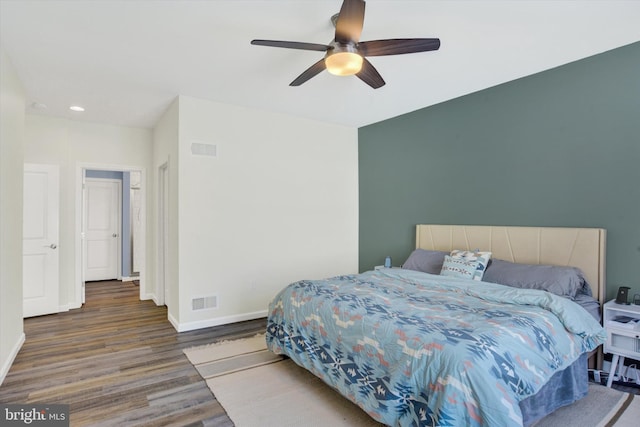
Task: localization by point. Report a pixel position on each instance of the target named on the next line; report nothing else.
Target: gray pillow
(425, 261)
(563, 281)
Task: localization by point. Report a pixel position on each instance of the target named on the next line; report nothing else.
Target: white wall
(278, 204)
(12, 106)
(72, 144)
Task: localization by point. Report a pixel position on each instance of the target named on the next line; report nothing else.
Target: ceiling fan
(346, 54)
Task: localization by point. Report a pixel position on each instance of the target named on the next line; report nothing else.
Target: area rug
(259, 388)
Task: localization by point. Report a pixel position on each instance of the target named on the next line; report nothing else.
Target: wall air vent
(204, 149)
(204, 303)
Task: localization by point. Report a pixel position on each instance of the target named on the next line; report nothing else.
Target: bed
(420, 348)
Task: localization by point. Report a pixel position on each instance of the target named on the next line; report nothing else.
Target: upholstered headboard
(577, 247)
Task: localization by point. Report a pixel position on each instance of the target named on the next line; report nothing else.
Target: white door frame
(163, 233)
(81, 168)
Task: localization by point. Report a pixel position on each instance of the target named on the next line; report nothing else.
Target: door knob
(115, 235)
(51, 246)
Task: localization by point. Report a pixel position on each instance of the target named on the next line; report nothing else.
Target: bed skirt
(564, 388)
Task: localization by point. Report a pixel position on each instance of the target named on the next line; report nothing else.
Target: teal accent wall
(559, 148)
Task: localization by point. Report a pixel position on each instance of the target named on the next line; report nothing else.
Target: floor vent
(204, 303)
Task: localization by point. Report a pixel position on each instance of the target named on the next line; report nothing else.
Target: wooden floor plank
(117, 361)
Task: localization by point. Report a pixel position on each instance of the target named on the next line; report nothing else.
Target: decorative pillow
(466, 264)
(559, 280)
(425, 261)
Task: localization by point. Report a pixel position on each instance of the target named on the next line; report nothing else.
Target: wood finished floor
(117, 361)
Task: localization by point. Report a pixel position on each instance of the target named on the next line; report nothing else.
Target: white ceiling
(125, 61)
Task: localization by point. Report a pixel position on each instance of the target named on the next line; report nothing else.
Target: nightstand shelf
(622, 323)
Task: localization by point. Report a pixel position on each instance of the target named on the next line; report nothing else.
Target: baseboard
(173, 322)
(217, 321)
(12, 356)
(150, 297)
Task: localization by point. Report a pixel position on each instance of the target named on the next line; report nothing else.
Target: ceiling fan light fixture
(346, 54)
(343, 63)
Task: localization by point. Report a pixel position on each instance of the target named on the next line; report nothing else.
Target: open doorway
(136, 230)
(99, 235)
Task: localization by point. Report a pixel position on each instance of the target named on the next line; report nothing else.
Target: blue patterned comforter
(412, 348)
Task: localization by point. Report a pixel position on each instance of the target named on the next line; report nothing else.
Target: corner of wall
(6, 365)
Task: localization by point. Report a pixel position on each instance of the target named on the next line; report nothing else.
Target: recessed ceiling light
(76, 108)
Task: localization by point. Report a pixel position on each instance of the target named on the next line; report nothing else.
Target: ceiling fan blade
(397, 46)
(370, 75)
(309, 73)
(292, 45)
(350, 21)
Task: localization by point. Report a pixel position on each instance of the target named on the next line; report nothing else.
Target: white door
(40, 280)
(102, 229)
